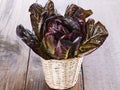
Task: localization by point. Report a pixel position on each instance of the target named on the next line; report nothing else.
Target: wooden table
(20, 67)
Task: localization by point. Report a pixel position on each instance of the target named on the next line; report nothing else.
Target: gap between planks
(27, 70)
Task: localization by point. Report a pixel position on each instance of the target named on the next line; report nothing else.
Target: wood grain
(13, 52)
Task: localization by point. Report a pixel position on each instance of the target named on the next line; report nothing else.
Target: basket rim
(69, 59)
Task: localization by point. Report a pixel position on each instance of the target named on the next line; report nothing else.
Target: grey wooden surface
(13, 53)
(20, 68)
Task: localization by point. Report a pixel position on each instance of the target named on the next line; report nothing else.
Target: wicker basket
(61, 74)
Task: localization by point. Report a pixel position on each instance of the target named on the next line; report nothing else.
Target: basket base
(60, 88)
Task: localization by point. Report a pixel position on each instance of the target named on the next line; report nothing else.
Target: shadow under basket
(61, 74)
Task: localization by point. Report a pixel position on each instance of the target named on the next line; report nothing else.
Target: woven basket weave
(61, 74)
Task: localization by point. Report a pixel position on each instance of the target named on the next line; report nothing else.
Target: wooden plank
(13, 53)
(102, 68)
(35, 78)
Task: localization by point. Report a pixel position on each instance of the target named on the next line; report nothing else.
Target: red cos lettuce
(62, 37)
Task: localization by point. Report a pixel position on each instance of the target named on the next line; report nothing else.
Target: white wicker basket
(61, 74)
